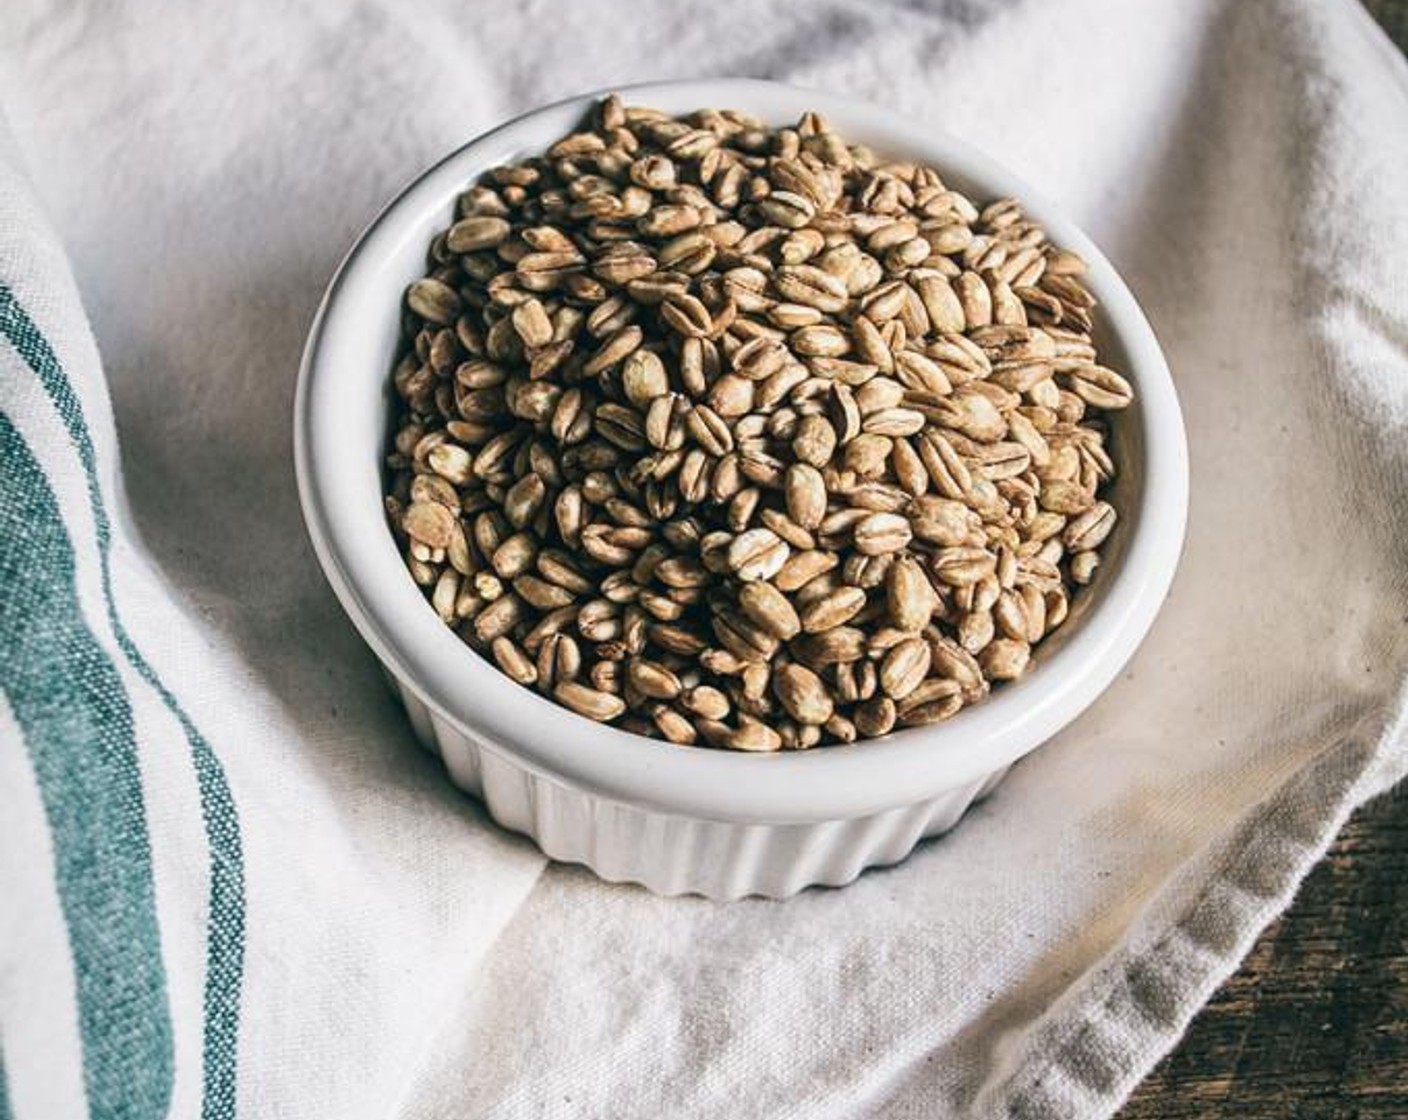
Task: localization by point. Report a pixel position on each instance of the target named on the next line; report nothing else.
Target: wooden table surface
(1314, 1026)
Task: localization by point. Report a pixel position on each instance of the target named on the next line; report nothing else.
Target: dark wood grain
(1314, 1025)
(1393, 18)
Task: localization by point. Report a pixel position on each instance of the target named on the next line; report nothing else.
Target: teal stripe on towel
(74, 713)
(225, 941)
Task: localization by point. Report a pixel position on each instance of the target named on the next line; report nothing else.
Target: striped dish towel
(79, 692)
(125, 896)
(230, 883)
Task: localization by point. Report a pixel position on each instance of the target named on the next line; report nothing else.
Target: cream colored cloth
(1245, 165)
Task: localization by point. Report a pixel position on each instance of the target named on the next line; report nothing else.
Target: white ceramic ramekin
(686, 819)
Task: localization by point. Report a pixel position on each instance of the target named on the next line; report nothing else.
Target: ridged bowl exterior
(674, 855)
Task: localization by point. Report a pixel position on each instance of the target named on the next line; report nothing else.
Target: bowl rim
(830, 783)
